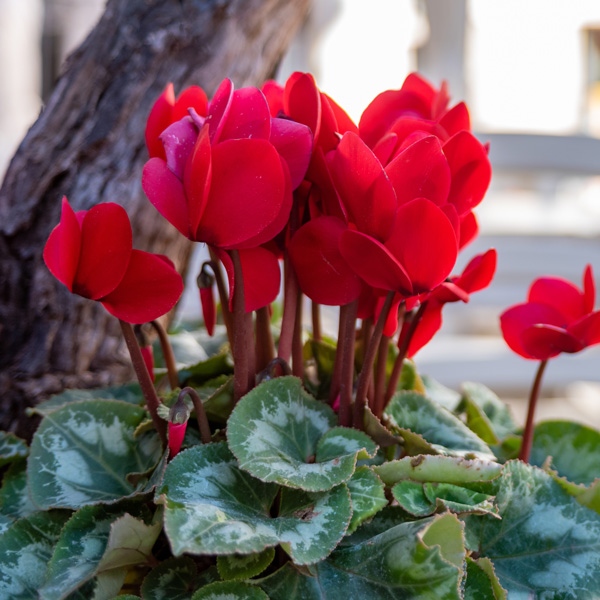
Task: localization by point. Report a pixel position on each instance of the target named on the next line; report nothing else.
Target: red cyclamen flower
(91, 253)
(557, 317)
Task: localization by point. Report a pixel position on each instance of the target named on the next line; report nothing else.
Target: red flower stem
(240, 346)
(145, 382)
(316, 321)
(380, 373)
(203, 426)
(251, 350)
(403, 350)
(347, 343)
(297, 354)
(336, 376)
(223, 295)
(265, 349)
(366, 333)
(366, 371)
(290, 300)
(167, 352)
(533, 397)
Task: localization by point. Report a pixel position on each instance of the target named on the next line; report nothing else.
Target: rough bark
(88, 144)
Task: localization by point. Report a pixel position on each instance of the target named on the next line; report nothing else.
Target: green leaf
(289, 583)
(440, 469)
(173, 579)
(130, 393)
(217, 398)
(244, 566)
(5, 523)
(15, 500)
(82, 453)
(279, 433)
(385, 519)
(410, 380)
(11, 448)
(487, 415)
(478, 585)
(367, 495)
(98, 539)
(401, 562)
(126, 597)
(198, 373)
(25, 549)
(547, 545)
(574, 448)
(213, 507)
(376, 430)
(323, 355)
(230, 590)
(440, 394)
(425, 499)
(186, 349)
(447, 433)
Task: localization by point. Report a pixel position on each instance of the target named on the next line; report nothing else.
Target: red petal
(420, 171)
(246, 195)
(589, 290)
(559, 293)
(192, 97)
(166, 194)
(546, 341)
(328, 133)
(273, 92)
(384, 149)
(478, 274)
(61, 253)
(424, 243)
(456, 119)
(429, 325)
(261, 273)
(218, 110)
(587, 329)
(302, 102)
(248, 116)
(293, 141)
(148, 356)
(197, 180)
(207, 300)
(178, 141)
(149, 289)
(520, 317)
(331, 205)
(469, 228)
(406, 128)
(374, 263)
(105, 250)
(323, 274)
(344, 122)
(158, 119)
(419, 86)
(176, 435)
(471, 171)
(363, 186)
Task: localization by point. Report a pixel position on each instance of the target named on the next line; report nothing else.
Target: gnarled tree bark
(88, 144)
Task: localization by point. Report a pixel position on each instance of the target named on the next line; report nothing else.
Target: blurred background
(529, 71)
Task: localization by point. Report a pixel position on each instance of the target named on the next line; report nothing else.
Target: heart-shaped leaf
(279, 433)
(244, 566)
(11, 448)
(482, 583)
(15, 500)
(82, 453)
(367, 494)
(230, 590)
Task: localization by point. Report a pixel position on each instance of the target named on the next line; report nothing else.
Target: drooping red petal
(374, 263)
(148, 356)
(323, 274)
(589, 289)
(61, 252)
(209, 313)
(149, 289)
(559, 293)
(587, 329)
(391, 323)
(293, 141)
(546, 341)
(246, 194)
(520, 317)
(106, 241)
(344, 122)
(165, 192)
(469, 228)
(420, 171)
(192, 97)
(363, 186)
(158, 119)
(471, 171)
(197, 180)
(261, 273)
(218, 110)
(302, 102)
(424, 243)
(429, 325)
(248, 116)
(448, 291)
(178, 140)
(273, 92)
(328, 133)
(478, 274)
(456, 119)
(176, 435)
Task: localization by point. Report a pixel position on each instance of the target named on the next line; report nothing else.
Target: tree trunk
(88, 144)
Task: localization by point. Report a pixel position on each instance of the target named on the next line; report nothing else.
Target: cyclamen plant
(312, 468)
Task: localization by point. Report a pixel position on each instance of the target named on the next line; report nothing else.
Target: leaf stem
(265, 348)
(533, 397)
(240, 346)
(215, 265)
(347, 343)
(315, 309)
(297, 355)
(380, 372)
(144, 378)
(290, 300)
(167, 352)
(336, 376)
(203, 426)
